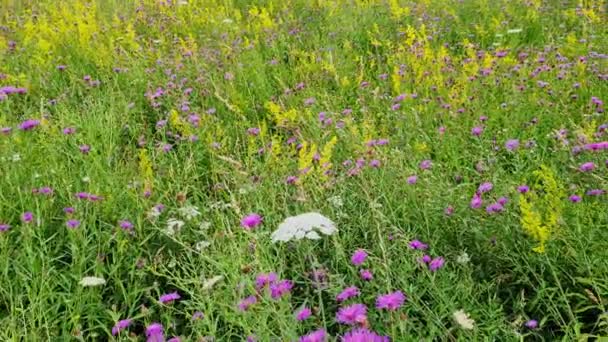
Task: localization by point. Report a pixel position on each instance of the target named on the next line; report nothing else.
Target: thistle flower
(154, 333)
(84, 149)
(347, 293)
(485, 187)
(586, 167)
(27, 217)
(476, 201)
(391, 301)
(352, 314)
(126, 225)
(265, 279)
(531, 324)
(72, 224)
(426, 164)
(412, 179)
(512, 144)
(120, 325)
(522, 189)
(417, 244)
(575, 198)
(247, 302)
(366, 275)
(4, 227)
(436, 264)
(280, 288)
(303, 314)
(251, 221)
(358, 257)
(476, 131)
(29, 124)
(169, 297)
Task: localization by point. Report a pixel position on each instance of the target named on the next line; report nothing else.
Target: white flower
(227, 21)
(463, 319)
(513, 31)
(92, 281)
(189, 212)
(16, 157)
(173, 225)
(153, 213)
(202, 245)
(209, 283)
(303, 226)
(86, 179)
(336, 201)
(463, 258)
(204, 225)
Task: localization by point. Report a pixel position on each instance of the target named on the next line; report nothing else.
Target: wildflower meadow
(303, 170)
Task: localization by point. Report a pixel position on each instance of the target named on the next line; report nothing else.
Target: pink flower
(169, 297)
(585, 167)
(358, 257)
(417, 244)
(476, 201)
(436, 264)
(391, 301)
(366, 275)
(347, 293)
(352, 314)
(251, 221)
(303, 314)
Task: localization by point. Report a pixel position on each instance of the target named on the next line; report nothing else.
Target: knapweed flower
(280, 288)
(463, 320)
(265, 279)
(197, 315)
(425, 259)
(522, 189)
(303, 314)
(169, 297)
(120, 325)
(412, 179)
(72, 224)
(247, 302)
(366, 275)
(154, 333)
(391, 301)
(253, 131)
(363, 335)
(426, 164)
(358, 257)
(92, 281)
(436, 264)
(352, 314)
(347, 293)
(69, 130)
(4, 227)
(126, 225)
(531, 324)
(494, 208)
(476, 131)
(374, 163)
(575, 198)
(251, 221)
(476, 201)
(485, 187)
(417, 244)
(512, 144)
(27, 217)
(84, 149)
(315, 336)
(175, 339)
(29, 124)
(586, 167)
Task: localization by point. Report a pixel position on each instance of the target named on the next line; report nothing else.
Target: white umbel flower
(189, 212)
(209, 283)
(304, 226)
(173, 226)
(463, 319)
(92, 281)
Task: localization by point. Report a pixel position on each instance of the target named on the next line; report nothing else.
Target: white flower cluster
(304, 226)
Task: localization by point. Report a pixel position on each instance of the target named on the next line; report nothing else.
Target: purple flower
(197, 316)
(347, 293)
(374, 163)
(5, 130)
(417, 244)
(512, 144)
(358, 257)
(575, 198)
(247, 302)
(449, 210)
(303, 314)
(27, 217)
(363, 335)
(485, 187)
(125, 225)
(154, 333)
(69, 210)
(585, 167)
(412, 179)
(476, 201)
(494, 208)
(120, 325)
(436, 264)
(366, 275)
(523, 189)
(502, 200)
(426, 164)
(532, 324)
(84, 149)
(29, 124)
(175, 339)
(476, 131)
(72, 224)
(597, 146)
(425, 259)
(254, 131)
(595, 192)
(69, 130)
(265, 279)
(291, 180)
(391, 301)
(251, 221)
(4, 227)
(280, 288)
(352, 314)
(169, 297)
(315, 336)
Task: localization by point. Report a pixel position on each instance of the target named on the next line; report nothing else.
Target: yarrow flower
(363, 335)
(352, 314)
(463, 320)
(303, 314)
(92, 281)
(303, 226)
(251, 221)
(347, 293)
(391, 301)
(315, 336)
(120, 325)
(169, 297)
(358, 257)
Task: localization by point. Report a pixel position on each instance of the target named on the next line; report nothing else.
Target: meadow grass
(459, 148)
